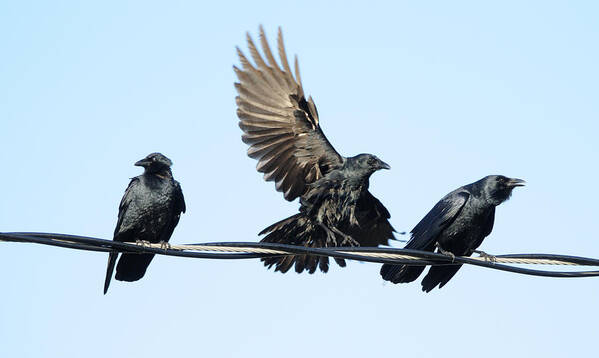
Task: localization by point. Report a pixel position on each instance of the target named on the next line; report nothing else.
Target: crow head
(155, 163)
(364, 165)
(498, 188)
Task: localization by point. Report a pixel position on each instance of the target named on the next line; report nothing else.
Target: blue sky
(445, 93)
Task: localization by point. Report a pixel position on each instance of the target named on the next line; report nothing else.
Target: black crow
(456, 225)
(149, 212)
(282, 129)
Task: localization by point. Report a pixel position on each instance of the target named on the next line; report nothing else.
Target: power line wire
(253, 250)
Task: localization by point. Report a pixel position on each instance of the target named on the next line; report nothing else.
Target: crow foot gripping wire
(486, 256)
(165, 245)
(143, 243)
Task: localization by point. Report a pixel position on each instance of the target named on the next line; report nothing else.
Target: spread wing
(425, 233)
(279, 124)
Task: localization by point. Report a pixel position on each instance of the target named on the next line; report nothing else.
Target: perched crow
(457, 226)
(282, 129)
(149, 212)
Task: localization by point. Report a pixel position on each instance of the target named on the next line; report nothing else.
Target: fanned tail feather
(302, 231)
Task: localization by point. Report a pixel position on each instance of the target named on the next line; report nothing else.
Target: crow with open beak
(457, 225)
(282, 128)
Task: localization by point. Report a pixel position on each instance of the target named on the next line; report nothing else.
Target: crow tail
(405, 273)
(438, 275)
(302, 231)
(132, 267)
(401, 273)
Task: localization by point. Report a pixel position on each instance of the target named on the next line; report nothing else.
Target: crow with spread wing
(281, 127)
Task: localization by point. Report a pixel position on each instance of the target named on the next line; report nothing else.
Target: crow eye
(371, 160)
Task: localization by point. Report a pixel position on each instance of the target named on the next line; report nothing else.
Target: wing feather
(125, 224)
(280, 125)
(425, 233)
(373, 217)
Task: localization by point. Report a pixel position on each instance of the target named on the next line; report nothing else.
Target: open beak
(515, 182)
(142, 163)
(383, 165)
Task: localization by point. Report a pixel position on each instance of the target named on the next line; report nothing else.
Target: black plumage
(456, 225)
(282, 129)
(149, 212)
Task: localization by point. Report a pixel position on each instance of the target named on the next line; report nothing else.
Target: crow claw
(165, 245)
(486, 256)
(143, 243)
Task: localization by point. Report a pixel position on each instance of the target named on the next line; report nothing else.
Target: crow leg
(486, 256)
(331, 231)
(330, 234)
(445, 252)
(346, 238)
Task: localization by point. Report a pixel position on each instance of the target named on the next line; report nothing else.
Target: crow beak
(142, 163)
(512, 183)
(383, 165)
